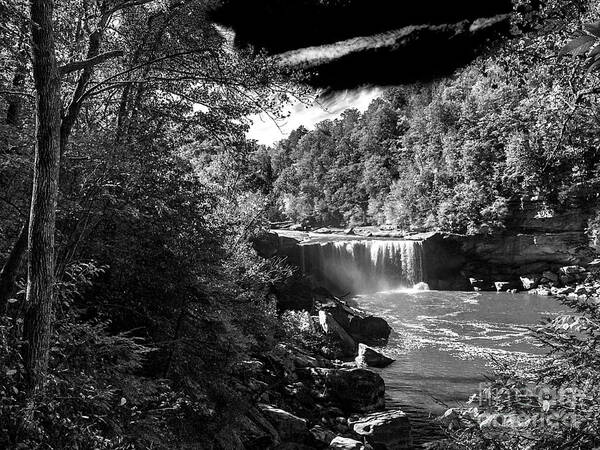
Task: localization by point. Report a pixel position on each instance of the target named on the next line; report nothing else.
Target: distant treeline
(449, 154)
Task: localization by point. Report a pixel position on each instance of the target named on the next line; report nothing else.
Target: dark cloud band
(347, 43)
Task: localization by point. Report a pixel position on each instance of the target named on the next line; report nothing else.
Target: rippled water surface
(445, 343)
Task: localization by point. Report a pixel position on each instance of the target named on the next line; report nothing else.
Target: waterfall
(364, 265)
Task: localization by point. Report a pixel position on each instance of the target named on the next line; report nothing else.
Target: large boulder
(288, 426)
(266, 244)
(248, 368)
(357, 389)
(565, 291)
(368, 356)
(549, 276)
(544, 292)
(530, 281)
(303, 359)
(387, 430)
(353, 390)
(502, 286)
(370, 329)
(581, 290)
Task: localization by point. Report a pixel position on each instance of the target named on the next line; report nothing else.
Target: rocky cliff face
(453, 259)
(537, 239)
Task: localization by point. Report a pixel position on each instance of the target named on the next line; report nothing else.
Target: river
(444, 344)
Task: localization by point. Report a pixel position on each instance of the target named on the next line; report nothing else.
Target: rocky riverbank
(320, 398)
(567, 280)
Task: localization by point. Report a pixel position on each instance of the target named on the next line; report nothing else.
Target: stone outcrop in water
(507, 258)
(355, 325)
(370, 329)
(538, 239)
(370, 357)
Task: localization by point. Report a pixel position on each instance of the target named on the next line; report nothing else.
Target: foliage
(299, 329)
(452, 154)
(159, 293)
(92, 377)
(160, 194)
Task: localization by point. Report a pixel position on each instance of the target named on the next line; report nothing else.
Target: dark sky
(368, 42)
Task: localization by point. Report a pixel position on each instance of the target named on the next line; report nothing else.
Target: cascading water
(364, 265)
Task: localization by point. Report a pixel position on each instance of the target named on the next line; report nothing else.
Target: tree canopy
(450, 154)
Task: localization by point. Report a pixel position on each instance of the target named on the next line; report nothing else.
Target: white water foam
(365, 265)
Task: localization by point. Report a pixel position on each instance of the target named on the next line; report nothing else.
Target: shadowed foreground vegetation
(126, 323)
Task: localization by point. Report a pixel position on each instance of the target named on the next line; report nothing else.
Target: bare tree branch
(86, 63)
(138, 66)
(128, 4)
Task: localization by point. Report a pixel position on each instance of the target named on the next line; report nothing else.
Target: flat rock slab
(387, 429)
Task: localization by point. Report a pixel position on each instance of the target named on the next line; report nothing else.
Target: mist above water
(361, 266)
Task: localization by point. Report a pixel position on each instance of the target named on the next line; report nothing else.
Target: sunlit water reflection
(445, 343)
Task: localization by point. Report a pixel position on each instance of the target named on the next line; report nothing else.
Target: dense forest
(158, 293)
(131, 297)
(449, 154)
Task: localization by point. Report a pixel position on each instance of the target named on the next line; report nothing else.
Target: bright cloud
(267, 132)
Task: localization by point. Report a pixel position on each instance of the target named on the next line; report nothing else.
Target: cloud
(267, 132)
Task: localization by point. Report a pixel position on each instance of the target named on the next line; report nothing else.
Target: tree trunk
(8, 275)
(37, 326)
(68, 121)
